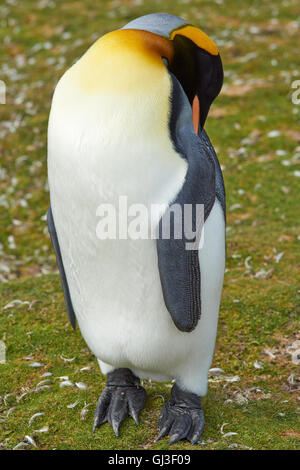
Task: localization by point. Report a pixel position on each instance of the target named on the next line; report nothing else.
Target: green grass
(257, 313)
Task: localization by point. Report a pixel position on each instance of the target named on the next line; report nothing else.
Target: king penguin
(127, 119)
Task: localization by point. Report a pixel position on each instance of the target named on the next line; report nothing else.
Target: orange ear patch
(198, 37)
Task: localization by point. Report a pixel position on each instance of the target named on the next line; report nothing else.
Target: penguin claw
(182, 417)
(121, 397)
(162, 433)
(197, 428)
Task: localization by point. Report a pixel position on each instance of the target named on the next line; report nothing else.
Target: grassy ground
(256, 396)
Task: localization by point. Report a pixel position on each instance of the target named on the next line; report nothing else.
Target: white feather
(114, 284)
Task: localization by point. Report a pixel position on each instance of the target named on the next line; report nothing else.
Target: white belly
(114, 284)
(118, 301)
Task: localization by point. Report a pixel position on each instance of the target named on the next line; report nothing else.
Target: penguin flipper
(179, 267)
(66, 291)
(178, 258)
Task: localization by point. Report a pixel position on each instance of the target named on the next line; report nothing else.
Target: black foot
(182, 417)
(122, 396)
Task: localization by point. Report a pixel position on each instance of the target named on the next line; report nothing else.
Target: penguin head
(135, 61)
(194, 59)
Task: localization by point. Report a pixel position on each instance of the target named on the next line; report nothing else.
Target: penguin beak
(196, 113)
(200, 73)
(209, 81)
